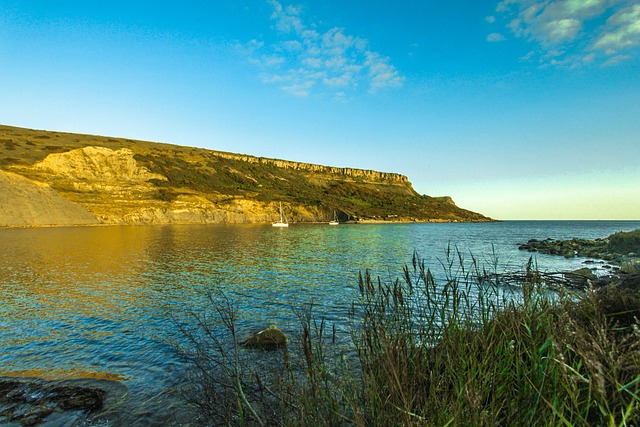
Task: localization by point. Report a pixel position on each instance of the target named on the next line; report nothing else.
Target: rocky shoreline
(622, 248)
(33, 401)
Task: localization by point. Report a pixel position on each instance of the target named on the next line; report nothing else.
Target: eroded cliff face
(116, 189)
(97, 165)
(52, 178)
(100, 185)
(25, 203)
(364, 174)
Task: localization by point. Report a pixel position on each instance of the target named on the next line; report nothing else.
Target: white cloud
(503, 6)
(306, 59)
(568, 31)
(622, 31)
(528, 57)
(298, 82)
(293, 46)
(495, 37)
(580, 6)
(287, 18)
(299, 88)
(339, 81)
(312, 62)
(382, 73)
(555, 32)
(616, 59)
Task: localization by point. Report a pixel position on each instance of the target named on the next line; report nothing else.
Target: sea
(102, 302)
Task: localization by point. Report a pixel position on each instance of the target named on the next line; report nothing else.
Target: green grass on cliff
(191, 170)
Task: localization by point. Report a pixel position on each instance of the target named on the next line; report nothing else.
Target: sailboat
(335, 219)
(283, 220)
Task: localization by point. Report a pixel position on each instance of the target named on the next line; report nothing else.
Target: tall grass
(471, 349)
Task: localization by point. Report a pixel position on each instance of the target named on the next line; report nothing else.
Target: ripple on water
(100, 301)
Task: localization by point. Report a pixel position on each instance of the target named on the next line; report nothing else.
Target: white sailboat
(283, 220)
(335, 219)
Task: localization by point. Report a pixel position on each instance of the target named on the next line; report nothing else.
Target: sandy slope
(25, 203)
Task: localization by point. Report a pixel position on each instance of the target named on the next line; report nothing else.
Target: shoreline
(362, 221)
(618, 248)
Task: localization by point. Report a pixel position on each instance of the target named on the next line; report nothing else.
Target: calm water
(96, 301)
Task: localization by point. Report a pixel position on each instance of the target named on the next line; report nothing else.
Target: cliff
(54, 178)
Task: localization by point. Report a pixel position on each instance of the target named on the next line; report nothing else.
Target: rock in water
(581, 277)
(30, 402)
(267, 339)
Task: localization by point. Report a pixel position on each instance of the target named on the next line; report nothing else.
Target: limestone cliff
(367, 175)
(84, 179)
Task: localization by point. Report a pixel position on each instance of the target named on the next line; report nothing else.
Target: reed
(475, 348)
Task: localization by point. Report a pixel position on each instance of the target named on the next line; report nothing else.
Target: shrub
(165, 195)
(631, 266)
(625, 242)
(473, 348)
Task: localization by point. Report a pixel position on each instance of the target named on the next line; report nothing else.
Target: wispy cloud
(622, 31)
(616, 59)
(495, 37)
(572, 32)
(304, 59)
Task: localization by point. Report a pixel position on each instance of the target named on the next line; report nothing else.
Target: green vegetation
(625, 242)
(312, 192)
(268, 183)
(476, 348)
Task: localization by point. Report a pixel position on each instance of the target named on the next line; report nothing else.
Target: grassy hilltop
(119, 180)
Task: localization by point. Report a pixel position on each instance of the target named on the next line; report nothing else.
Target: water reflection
(85, 301)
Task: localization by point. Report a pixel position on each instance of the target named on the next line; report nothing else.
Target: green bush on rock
(625, 242)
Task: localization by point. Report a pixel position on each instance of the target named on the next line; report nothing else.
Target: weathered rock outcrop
(97, 165)
(84, 179)
(617, 248)
(367, 175)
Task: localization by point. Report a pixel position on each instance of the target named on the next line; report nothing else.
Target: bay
(98, 302)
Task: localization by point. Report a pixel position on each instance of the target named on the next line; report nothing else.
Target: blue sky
(518, 109)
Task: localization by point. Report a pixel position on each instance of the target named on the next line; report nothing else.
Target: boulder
(586, 273)
(29, 401)
(267, 339)
(580, 278)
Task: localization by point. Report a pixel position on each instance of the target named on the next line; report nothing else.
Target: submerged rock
(267, 339)
(30, 401)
